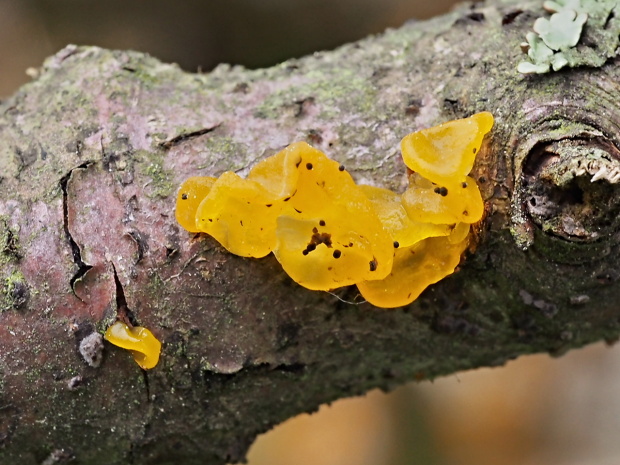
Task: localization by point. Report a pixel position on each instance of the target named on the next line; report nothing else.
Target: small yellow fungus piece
(241, 215)
(191, 193)
(321, 184)
(279, 173)
(414, 269)
(390, 210)
(452, 202)
(144, 347)
(446, 152)
(459, 233)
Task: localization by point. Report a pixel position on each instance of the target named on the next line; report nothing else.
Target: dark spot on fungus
(396, 245)
(287, 199)
(443, 191)
(321, 223)
(341, 168)
(309, 166)
(373, 264)
(464, 185)
(298, 211)
(465, 213)
(241, 222)
(184, 196)
(269, 205)
(210, 220)
(436, 190)
(474, 150)
(317, 239)
(337, 253)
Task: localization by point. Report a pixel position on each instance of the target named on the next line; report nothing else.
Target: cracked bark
(92, 153)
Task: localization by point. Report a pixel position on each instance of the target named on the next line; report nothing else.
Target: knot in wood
(571, 188)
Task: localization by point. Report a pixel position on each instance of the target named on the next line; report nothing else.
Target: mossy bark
(93, 150)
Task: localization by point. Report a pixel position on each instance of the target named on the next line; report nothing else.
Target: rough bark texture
(93, 150)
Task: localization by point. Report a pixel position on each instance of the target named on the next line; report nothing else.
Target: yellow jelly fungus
(328, 232)
(329, 235)
(278, 173)
(241, 215)
(192, 192)
(334, 255)
(451, 202)
(402, 228)
(414, 269)
(446, 152)
(144, 347)
(459, 233)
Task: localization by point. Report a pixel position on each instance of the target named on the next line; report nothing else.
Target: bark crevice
(82, 268)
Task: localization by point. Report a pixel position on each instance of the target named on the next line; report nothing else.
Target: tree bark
(94, 149)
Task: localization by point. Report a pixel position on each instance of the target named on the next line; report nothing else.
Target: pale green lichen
(562, 30)
(161, 184)
(558, 42)
(355, 91)
(14, 291)
(227, 150)
(9, 244)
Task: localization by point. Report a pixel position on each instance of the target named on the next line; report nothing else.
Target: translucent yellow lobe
(404, 229)
(144, 347)
(240, 214)
(446, 152)
(450, 202)
(329, 235)
(415, 268)
(191, 193)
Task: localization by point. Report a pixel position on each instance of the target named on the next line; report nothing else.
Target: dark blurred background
(534, 411)
(196, 34)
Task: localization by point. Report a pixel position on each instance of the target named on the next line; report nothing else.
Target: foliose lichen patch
(564, 40)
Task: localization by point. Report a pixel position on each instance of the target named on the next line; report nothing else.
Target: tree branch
(92, 153)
